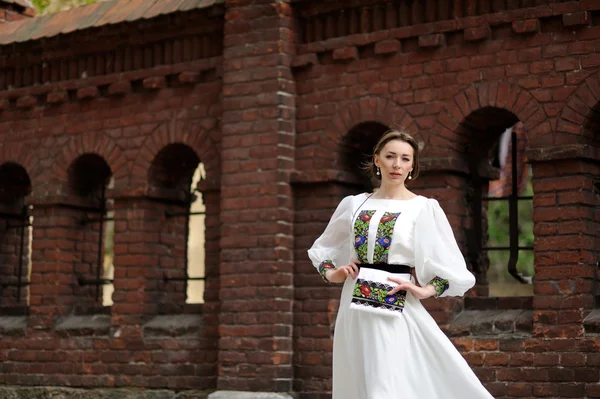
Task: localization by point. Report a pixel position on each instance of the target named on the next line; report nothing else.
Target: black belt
(386, 267)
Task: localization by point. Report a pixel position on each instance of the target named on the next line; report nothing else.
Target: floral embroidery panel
(323, 267)
(361, 234)
(385, 230)
(440, 285)
(375, 294)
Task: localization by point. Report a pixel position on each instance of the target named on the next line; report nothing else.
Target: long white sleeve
(438, 259)
(333, 247)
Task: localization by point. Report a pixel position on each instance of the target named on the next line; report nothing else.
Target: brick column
(256, 284)
(566, 230)
(140, 290)
(59, 248)
(316, 303)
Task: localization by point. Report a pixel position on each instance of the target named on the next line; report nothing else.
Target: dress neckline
(393, 200)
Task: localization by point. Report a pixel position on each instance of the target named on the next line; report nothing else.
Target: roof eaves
(141, 10)
(119, 11)
(9, 30)
(94, 15)
(161, 8)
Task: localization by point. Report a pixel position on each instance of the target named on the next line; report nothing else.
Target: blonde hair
(388, 136)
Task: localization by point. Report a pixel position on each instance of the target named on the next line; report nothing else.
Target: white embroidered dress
(401, 354)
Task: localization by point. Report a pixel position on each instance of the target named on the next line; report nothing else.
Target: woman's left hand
(418, 292)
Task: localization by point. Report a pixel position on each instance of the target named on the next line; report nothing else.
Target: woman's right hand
(339, 274)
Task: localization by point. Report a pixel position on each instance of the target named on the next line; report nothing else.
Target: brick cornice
(116, 84)
(525, 21)
(120, 48)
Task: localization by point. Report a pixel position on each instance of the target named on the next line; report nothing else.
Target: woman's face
(395, 161)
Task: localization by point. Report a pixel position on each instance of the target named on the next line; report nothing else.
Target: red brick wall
(431, 79)
(149, 337)
(275, 103)
(256, 271)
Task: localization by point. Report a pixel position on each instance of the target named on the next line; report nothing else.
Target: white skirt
(401, 356)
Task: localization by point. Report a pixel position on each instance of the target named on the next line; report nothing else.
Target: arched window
(89, 178)
(501, 238)
(591, 136)
(15, 236)
(357, 148)
(196, 252)
(173, 176)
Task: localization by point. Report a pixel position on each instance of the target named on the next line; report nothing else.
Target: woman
(386, 345)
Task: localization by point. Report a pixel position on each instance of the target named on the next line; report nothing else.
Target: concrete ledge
(591, 323)
(248, 395)
(496, 323)
(102, 393)
(13, 325)
(84, 325)
(174, 326)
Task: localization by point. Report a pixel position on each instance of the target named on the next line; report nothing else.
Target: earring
(410, 175)
(378, 172)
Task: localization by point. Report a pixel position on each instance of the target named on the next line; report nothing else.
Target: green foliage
(52, 6)
(498, 230)
(40, 5)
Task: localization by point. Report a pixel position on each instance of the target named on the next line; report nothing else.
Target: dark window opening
(174, 174)
(89, 178)
(15, 236)
(591, 137)
(357, 149)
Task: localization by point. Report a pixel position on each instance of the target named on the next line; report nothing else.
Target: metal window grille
(100, 220)
(170, 214)
(513, 205)
(23, 221)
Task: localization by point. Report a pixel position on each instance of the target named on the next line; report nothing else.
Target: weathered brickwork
(144, 126)
(280, 100)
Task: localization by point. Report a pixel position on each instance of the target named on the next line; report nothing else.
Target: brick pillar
(256, 283)
(144, 238)
(211, 307)
(316, 303)
(59, 251)
(565, 217)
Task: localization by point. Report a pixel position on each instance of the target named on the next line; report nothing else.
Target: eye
(388, 156)
(405, 159)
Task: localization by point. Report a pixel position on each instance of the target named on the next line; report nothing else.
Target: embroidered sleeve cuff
(324, 266)
(440, 285)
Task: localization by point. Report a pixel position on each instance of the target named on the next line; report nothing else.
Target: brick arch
(368, 109)
(579, 110)
(22, 154)
(91, 143)
(190, 133)
(362, 110)
(504, 95)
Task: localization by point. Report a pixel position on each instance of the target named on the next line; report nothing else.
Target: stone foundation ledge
(98, 393)
(248, 395)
